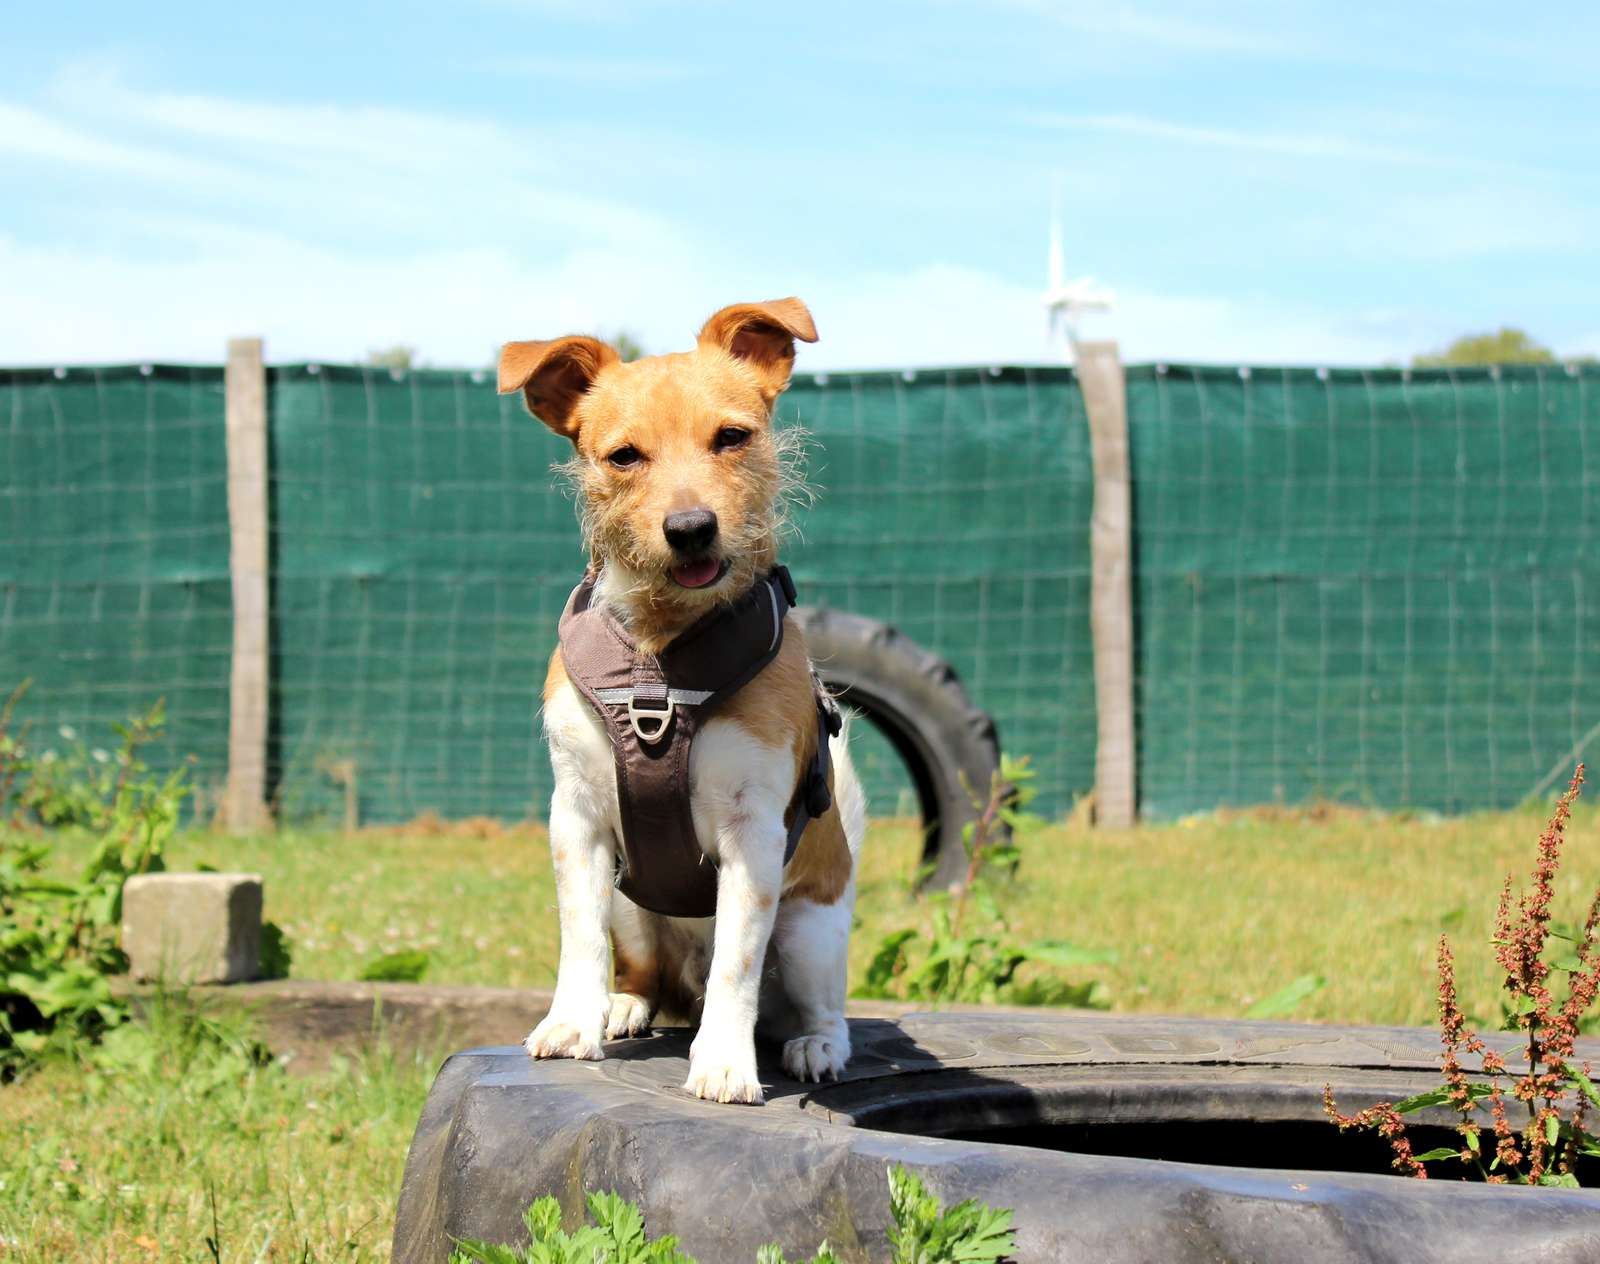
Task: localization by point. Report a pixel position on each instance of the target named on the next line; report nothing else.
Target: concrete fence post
(245, 382)
(1105, 399)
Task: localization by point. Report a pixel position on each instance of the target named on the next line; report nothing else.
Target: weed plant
(970, 954)
(923, 1233)
(1552, 975)
(59, 937)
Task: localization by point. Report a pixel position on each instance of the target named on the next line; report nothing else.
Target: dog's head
(676, 461)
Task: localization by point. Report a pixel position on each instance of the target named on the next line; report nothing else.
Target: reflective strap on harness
(650, 720)
(682, 697)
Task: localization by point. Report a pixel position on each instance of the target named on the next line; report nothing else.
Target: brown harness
(652, 707)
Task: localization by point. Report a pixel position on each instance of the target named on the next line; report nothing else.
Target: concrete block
(193, 927)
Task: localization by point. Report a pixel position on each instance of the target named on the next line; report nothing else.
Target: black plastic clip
(786, 582)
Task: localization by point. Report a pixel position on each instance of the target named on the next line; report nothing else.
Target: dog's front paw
(724, 1071)
(629, 1016)
(567, 1033)
(816, 1057)
(724, 1084)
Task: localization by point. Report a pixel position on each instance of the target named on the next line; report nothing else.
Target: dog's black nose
(690, 530)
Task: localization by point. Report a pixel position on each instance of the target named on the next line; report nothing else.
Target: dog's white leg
(636, 945)
(722, 1060)
(812, 942)
(582, 851)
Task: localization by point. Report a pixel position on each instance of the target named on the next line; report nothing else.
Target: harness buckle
(660, 719)
(786, 582)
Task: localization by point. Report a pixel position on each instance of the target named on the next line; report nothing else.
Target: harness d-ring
(661, 719)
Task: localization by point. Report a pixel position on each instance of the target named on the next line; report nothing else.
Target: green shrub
(59, 936)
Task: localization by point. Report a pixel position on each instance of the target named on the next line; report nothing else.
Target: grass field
(1207, 916)
(148, 1161)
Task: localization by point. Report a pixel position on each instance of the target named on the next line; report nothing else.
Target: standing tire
(915, 699)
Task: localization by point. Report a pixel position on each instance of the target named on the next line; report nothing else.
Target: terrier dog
(681, 480)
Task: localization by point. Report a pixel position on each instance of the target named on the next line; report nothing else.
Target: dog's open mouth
(701, 574)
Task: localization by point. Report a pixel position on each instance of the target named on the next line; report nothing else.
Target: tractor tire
(1133, 1139)
(914, 698)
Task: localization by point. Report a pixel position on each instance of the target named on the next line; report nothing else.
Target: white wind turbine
(1066, 301)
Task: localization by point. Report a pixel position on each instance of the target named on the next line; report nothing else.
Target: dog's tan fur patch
(778, 708)
(555, 675)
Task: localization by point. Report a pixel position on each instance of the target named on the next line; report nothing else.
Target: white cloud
(1249, 329)
(309, 302)
(368, 174)
(1583, 345)
(944, 314)
(26, 133)
(1291, 144)
(1476, 220)
(457, 305)
(296, 135)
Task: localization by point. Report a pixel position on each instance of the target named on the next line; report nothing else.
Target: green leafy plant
(59, 936)
(14, 762)
(277, 953)
(616, 1237)
(1545, 1147)
(70, 785)
(923, 1233)
(1288, 998)
(958, 963)
(208, 1052)
(73, 783)
(406, 966)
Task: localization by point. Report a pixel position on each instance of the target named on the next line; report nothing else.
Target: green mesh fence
(114, 587)
(954, 505)
(1370, 586)
(423, 552)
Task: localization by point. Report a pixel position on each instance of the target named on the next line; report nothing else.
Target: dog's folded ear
(762, 335)
(553, 376)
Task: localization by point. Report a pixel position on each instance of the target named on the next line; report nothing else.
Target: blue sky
(1265, 183)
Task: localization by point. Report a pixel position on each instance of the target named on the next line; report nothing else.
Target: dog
(681, 482)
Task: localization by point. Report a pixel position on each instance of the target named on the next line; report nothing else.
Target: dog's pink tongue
(696, 574)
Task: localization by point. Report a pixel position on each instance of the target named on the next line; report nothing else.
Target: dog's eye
(730, 437)
(625, 456)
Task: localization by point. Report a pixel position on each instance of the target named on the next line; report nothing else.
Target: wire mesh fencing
(114, 588)
(1372, 586)
(423, 553)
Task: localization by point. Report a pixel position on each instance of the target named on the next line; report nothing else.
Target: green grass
(146, 1161)
(1208, 916)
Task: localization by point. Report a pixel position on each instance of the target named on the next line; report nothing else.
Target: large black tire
(1118, 1138)
(916, 700)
